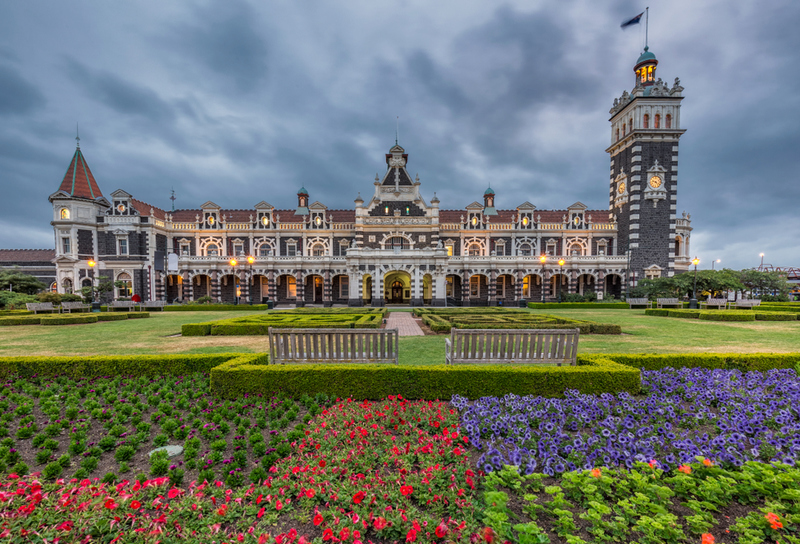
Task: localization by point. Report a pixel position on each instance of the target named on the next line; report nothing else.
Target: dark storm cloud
(17, 95)
(225, 40)
(122, 96)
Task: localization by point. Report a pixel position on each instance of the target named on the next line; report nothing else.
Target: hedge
(578, 305)
(731, 361)
(686, 314)
(21, 320)
(121, 365)
(214, 307)
(727, 316)
(658, 312)
(116, 316)
(774, 307)
(592, 375)
(776, 316)
(11, 313)
(138, 315)
(69, 319)
(259, 325)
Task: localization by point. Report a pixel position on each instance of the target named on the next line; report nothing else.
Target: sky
(238, 102)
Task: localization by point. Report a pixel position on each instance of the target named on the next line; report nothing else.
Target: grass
(641, 334)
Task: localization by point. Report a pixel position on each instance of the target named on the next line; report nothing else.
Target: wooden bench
(661, 302)
(37, 307)
(514, 346)
(332, 346)
(128, 305)
(69, 307)
(153, 304)
(638, 302)
(718, 303)
(748, 303)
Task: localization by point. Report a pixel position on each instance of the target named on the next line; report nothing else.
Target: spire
(78, 180)
(77, 136)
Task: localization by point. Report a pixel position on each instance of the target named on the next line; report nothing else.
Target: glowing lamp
(232, 262)
(91, 263)
(543, 259)
(251, 259)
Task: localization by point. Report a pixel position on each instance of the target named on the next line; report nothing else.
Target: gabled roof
(79, 181)
(578, 206)
(26, 255)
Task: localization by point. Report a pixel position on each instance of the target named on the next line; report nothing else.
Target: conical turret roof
(79, 181)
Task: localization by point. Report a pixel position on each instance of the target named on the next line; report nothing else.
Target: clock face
(655, 182)
(121, 208)
(621, 188)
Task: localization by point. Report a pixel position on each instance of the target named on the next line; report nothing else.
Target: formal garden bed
(305, 318)
(69, 319)
(442, 320)
(755, 314)
(700, 452)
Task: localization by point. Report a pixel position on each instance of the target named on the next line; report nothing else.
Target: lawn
(641, 334)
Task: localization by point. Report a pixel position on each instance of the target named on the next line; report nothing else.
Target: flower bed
(442, 320)
(729, 416)
(310, 318)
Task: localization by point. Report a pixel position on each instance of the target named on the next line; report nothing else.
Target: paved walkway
(404, 323)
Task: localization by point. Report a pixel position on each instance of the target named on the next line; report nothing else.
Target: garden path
(404, 323)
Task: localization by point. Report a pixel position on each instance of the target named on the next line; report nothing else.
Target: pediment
(209, 206)
(120, 194)
(318, 206)
(526, 206)
(578, 206)
(264, 206)
(475, 206)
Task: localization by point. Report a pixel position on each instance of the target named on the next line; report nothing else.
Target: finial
(77, 136)
(397, 132)
(172, 198)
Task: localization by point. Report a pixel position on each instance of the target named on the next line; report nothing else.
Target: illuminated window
(474, 250)
(657, 121)
(525, 221)
(265, 221)
(474, 220)
(449, 286)
(125, 288)
(211, 220)
(646, 120)
(291, 286)
(474, 286)
(64, 213)
(668, 121)
(318, 250)
(386, 210)
(526, 287)
(318, 221)
(449, 250)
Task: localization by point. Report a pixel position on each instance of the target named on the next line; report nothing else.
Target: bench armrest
(448, 348)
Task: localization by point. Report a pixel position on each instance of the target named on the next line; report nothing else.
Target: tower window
(617, 134)
(318, 250)
(408, 210)
(658, 121)
(646, 120)
(386, 210)
(525, 250)
(64, 213)
(668, 121)
(65, 245)
(291, 250)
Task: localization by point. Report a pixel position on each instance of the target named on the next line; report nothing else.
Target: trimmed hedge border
(578, 305)
(214, 307)
(116, 316)
(724, 315)
(69, 320)
(443, 320)
(728, 361)
(122, 365)
(260, 324)
(592, 375)
(21, 320)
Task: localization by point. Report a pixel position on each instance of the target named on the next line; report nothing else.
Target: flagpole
(646, 25)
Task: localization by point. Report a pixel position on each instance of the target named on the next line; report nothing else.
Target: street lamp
(233, 263)
(560, 273)
(762, 261)
(95, 302)
(250, 261)
(714, 261)
(693, 300)
(543, 260)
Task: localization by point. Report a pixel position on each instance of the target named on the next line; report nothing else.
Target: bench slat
(548, 346)
(333, 345)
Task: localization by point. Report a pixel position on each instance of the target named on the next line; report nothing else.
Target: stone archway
(397, 287)
(366, 290)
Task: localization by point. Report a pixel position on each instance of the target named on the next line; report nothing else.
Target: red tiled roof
(79, 181)
(28, 255)
(144, 209)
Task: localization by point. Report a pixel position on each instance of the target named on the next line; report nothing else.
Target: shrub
(159, 464)
(69, 319)
(124, 453)
(20, 320)
(686, 314)
(727, 316)
(137, 315)
(52, 471)
(775, 316)
(112, 316)
(49, 296)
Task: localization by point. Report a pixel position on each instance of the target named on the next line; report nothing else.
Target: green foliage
(68, 319)
(444, 319)
(333, 318)
(112, 316)
(775, 316)
(578, 305)
(11, 300)
(591, 375)
(198, 306)
(21, 320)
(49, 296)
(18, 282)
(727, 316)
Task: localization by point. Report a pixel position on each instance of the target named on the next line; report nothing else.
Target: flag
(633, 21)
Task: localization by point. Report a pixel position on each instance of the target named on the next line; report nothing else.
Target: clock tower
(643, 194)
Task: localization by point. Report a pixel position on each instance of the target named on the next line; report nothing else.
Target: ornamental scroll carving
(396, 221)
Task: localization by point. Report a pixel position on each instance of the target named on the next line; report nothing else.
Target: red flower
(13, 476)
(278, 505)
(292, 534)
(686, 469)
(174, 492)
(318, 519)
(310, 493)
(344, 534)
(707, 462)
(327, 534)
(457, 451)
(411, 536)
(222, 510)
(135, 505)
(707, 538)
(488, 534)
(774, 521)
(263, 539)
(322, 463)
(358, 497)
(66, 526)
(379, 523)
(442, 530)
(261, 512)
(110, 504)
(406, 489)
(595, 473)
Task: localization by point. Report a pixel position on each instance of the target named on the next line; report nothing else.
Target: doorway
(397, 293)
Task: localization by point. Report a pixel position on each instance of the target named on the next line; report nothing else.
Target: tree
(19, 282)
(100, 289)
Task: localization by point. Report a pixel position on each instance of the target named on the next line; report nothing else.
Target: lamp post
(560, 273)
(233, 264)
(543, 260)
(250, 261)
(714, 261)
(693, 300)
(761, 266)
(95, 302)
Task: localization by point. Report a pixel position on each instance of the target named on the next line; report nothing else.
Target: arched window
(212, 250)
(646, 120)
(66, 285)
(125, 288)
(398, 242)
(64, 213)
(617, 134)
(668, 121)
(658, 121)
(525, 250)
(624, 129)
(474, 250)
(318, 250)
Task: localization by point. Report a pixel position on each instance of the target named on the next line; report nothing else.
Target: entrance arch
(174, 287)
(427, 289)
(613, 285)
(586, 285)
(397, 286)
(287, 289)
(366, 289)
(314, 289)
(201, 286)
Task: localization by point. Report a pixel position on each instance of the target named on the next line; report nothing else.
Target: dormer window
(64, 213)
